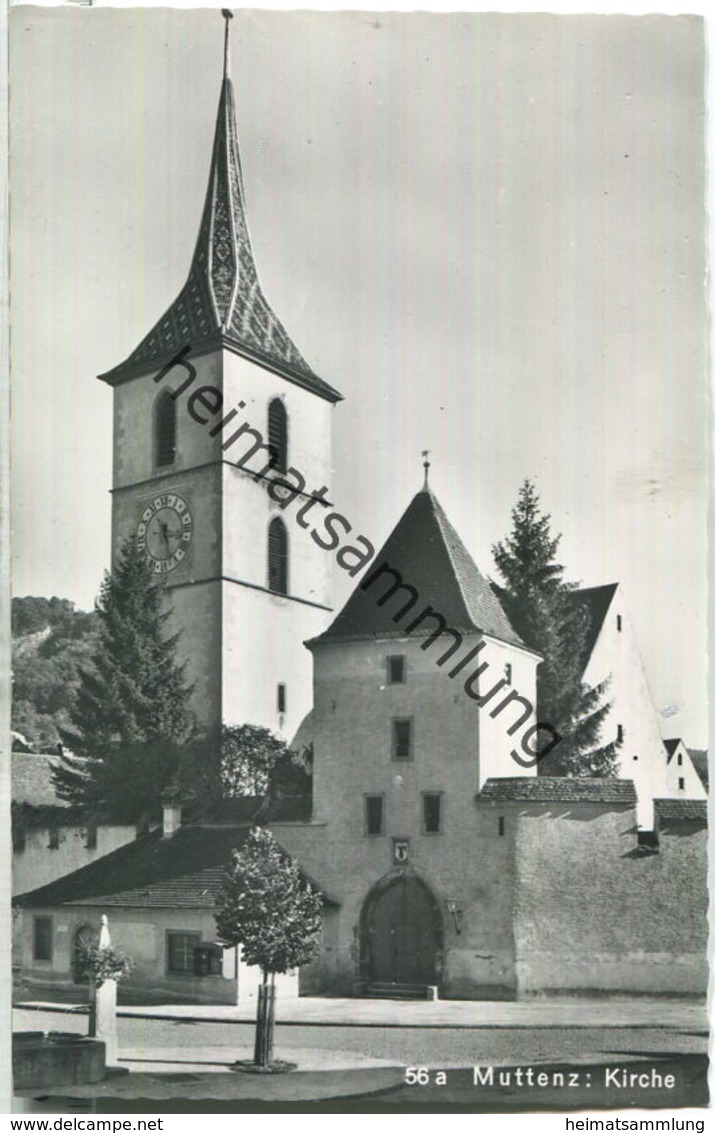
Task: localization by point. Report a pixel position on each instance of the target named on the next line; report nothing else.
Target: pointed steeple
(432, 559)
(222, 302)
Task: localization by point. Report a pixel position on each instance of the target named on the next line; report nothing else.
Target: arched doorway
(402, 933)
(84, 938)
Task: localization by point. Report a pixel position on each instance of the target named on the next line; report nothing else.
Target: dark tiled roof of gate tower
(429, 554)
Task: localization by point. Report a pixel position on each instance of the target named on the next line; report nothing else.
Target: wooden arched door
(402, 934)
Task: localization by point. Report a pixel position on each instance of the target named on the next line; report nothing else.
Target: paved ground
(195, 1056)
(626, 1012)
(361, 1092)
(409, 1045)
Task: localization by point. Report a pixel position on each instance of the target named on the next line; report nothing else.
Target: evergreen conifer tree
(544, 612)
(132, 709)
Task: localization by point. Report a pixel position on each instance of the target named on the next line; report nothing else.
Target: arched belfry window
(278, 433)
(278, 557)
(165, 429)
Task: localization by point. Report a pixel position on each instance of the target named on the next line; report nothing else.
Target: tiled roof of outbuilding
(545, 789)
(32, 779)
(689, 810)
(432, 559)
(183, 871)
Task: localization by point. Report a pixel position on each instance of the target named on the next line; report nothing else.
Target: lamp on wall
(455, 908)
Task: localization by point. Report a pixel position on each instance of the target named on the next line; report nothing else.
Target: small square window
(681, 784)
(42, 938)
(402, 739)
(374, 814)
(180, 952)
(396, 670)
(432, 813)
(281, 698)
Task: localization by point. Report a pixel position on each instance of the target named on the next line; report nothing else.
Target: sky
(487, 231)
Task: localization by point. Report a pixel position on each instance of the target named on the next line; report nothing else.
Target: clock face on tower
(164, 532)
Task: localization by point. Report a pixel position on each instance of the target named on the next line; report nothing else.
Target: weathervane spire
(228, 16)
(222, 300)
(426, 466)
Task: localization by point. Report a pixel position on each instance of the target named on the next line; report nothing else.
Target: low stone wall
(39, 1060)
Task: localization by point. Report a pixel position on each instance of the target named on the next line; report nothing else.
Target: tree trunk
(263, 1053)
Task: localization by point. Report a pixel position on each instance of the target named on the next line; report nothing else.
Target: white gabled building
(683, 779)
(612, 651)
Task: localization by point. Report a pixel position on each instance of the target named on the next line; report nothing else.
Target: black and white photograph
(359, 457)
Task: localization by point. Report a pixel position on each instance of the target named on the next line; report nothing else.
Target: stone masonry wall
(594, 913)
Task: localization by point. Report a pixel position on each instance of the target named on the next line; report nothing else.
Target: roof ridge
(443, 522)
(452, 536)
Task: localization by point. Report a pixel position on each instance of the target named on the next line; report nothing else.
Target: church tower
(211, 400)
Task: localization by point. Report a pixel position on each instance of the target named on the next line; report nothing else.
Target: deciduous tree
(266, 906)
(245, 759)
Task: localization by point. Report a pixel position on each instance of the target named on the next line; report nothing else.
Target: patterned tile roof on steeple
(431, 557)
(222, 302)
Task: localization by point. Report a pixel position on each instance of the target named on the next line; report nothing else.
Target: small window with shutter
(374, 814)
(432, 812)
(180, 952)
(402, 739)
(42, 939)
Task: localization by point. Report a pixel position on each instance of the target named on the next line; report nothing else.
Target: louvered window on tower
(278, 557)
(278, 434)
(165, 429)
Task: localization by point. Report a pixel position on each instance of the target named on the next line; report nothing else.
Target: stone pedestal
(103, 1017)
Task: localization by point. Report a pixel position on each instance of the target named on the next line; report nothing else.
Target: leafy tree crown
(266, 906)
